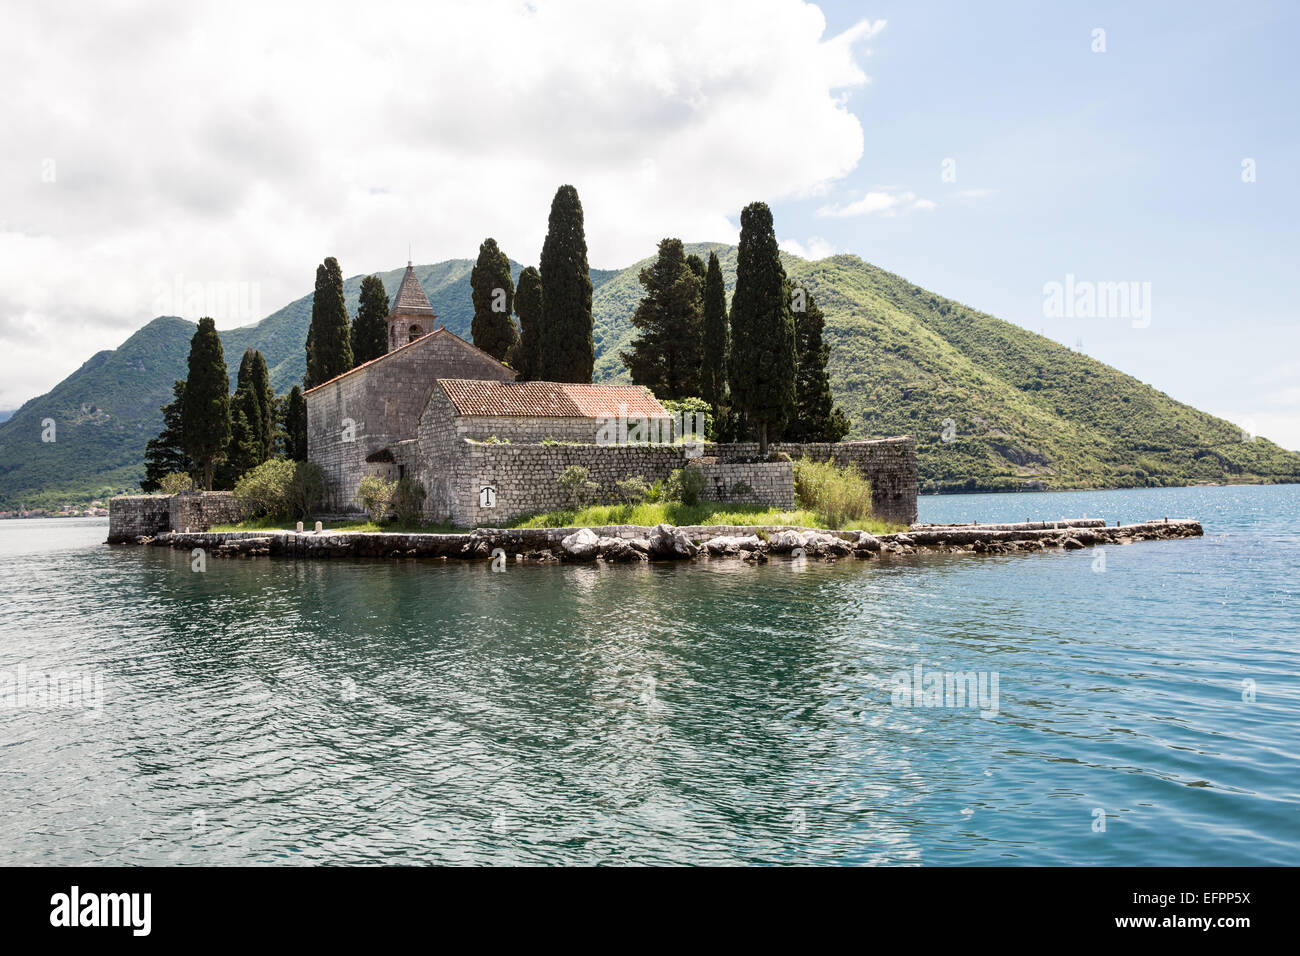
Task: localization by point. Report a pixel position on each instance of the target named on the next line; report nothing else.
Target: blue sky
(1112, 166)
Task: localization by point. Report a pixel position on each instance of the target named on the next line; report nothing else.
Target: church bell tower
(410, 315)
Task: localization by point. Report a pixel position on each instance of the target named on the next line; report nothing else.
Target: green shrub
(837, 495)
(375, 495)
(687, 409)
(175, 483)
(684, 485)
(741, 489)
(281, 489)
(408, 501)
(632, 490)
(575, 480)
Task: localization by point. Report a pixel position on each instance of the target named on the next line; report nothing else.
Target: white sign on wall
(487, 497)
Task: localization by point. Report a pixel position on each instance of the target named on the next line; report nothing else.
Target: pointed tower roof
(410, 299)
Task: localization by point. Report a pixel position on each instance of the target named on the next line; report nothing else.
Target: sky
(196, 158)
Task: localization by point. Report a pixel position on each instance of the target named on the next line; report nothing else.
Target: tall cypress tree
(295, 425)
(525, 357)
(369, 334)
(762, 367)
(205, 416)
(165, 455)
(698, 267)
(260, 383)
(717, 337)
(816, 418)
(493, 293)
(568, 351)
(329, 344)
(666, 356)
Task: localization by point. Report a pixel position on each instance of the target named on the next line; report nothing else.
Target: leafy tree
(493, 293)
(816, 419)
(329, 344)
(717, 337)
(568, 352)
(165, 455)
(369, 333)
(295, 426)
(205, 415)
(525, 357)
(761, 371)
(666, 356)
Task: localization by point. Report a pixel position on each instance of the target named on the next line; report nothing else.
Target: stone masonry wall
(384, 400)
(199, 512)
(130, 516)
(888, 463)
(525, 478)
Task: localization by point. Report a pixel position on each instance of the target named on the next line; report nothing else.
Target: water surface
(266, 711)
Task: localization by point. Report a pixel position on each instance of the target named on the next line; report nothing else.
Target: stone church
(486, 448)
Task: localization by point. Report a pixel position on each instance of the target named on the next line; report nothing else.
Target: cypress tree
(369, 335)
(665, 357)
(698, 267)
(816, 419)
(254, 395)
(205, 415)
(493, 294)
(165, 455)
(295, 425)
(244, 447)
(717, 337)
(525, 357)
(568, 351)
(762, 367)
(329, 344)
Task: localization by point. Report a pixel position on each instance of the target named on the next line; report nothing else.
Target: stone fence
(130, 516)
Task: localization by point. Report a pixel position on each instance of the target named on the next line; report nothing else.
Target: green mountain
(1018, 409)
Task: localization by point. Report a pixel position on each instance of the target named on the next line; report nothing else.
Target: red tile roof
(550, 399)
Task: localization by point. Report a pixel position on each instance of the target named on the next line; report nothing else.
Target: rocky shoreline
(623, 543)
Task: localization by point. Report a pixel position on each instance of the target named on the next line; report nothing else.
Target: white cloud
(242, 143)
(815, 248)
(878, 202)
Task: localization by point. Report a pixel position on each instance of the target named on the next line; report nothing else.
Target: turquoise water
(266, 711)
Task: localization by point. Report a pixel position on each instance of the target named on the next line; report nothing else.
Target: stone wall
(130, 516)
(524, 477)
(383, 399)
(888, 463)
(199, 512)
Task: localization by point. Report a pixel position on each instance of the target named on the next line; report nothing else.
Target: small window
(416, 332)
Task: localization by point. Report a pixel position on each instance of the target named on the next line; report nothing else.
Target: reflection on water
(268, 711)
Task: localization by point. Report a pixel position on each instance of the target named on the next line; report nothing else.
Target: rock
(733, 544)
(1072, 544)
(867, 542)
(640, 544)
(669, 542)
(783, 542)
(618, 549)
(582, 545)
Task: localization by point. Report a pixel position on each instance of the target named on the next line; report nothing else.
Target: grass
(704, 513)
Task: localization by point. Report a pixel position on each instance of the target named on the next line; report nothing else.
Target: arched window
(416, 332)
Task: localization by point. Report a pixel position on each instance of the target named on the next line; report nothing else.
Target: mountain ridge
(991, 405)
